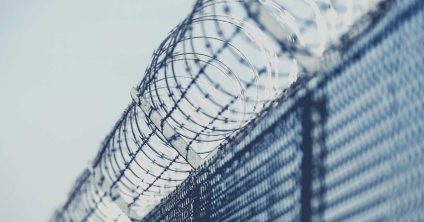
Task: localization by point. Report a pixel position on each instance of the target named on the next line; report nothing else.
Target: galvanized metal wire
(212, 75)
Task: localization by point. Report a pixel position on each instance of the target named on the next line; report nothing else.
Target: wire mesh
(211, 76)
(341, 145)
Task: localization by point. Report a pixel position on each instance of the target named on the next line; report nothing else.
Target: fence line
(217, 72)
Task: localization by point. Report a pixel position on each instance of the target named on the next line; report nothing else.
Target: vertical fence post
(312, 168)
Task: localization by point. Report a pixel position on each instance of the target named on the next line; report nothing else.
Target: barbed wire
(212, 75)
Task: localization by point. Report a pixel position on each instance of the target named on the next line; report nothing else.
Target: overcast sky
(66, 71)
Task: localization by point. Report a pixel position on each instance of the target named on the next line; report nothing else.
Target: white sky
(66, 71)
